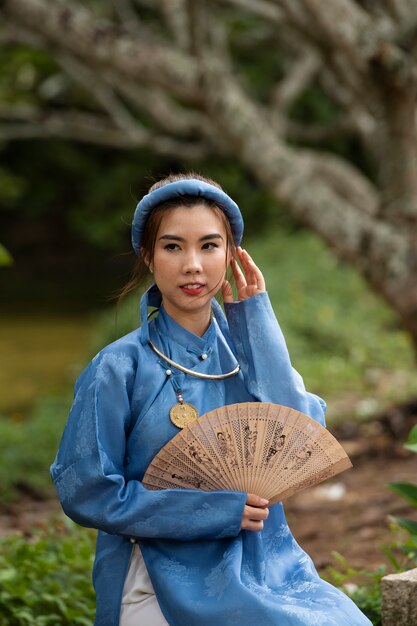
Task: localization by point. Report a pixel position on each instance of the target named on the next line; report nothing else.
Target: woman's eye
(171, 246)
(210, 245)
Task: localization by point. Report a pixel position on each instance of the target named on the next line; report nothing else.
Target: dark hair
(140, 273)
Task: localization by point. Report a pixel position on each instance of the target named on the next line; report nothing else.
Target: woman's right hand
(254, 513)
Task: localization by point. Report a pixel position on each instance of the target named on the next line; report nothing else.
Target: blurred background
(310, 126)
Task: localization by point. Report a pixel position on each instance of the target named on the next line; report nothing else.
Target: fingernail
(264, 501)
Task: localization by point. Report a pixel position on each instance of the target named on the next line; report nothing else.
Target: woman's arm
(261, 348)
(89, 469)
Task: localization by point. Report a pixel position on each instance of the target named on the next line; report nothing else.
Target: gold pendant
(183, 414)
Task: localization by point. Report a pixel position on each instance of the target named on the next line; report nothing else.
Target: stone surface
(399, 599)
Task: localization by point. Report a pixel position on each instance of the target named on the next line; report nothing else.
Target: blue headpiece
(188, 187)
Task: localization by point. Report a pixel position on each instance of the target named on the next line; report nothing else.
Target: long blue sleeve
(89, 471)
(264, 359)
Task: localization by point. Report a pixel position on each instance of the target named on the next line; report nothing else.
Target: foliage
(406, 543)
(411, 443)
(365, 592)
(5, 257)
(46, 581)
(29, 447)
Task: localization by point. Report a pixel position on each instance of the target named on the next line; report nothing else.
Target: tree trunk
(398, 165)
(398, 181)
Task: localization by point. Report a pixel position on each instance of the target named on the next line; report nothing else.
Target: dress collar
(167, 326)
(152, 298)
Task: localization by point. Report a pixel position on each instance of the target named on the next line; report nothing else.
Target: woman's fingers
(254, 500)
(238, 275)
(227, 291)
(248, 278)
(254, 275)
(254, 513)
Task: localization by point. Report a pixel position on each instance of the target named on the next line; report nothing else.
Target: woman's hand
(249, 282)
(254, 513)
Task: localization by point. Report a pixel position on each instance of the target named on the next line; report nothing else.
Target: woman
(188, 557)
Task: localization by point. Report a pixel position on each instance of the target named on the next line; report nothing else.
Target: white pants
(139, 604)
(145, 613)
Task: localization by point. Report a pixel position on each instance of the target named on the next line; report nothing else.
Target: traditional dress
(203, 569)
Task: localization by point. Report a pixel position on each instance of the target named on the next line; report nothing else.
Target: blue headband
(190, 187)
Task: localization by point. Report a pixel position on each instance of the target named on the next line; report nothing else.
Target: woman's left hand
(249, 282)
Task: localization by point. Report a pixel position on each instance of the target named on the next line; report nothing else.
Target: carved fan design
(255, 447)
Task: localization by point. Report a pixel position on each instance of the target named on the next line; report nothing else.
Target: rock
(399, 599)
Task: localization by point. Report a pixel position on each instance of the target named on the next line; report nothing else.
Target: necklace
(182, 413)
(191, 372)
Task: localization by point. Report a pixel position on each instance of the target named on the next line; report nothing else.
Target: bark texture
(173, 83)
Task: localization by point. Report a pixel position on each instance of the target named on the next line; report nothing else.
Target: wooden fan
(256, 447)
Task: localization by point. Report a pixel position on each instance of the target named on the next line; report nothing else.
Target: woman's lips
(192, 289)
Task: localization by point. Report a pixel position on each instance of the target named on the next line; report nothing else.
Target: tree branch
(344, 179)
(165, 111)
(176, 18)
(103, 45)
(318, 133)
(260, 8)
(13, 34)
(128, 16)
(28, 123)
(299, 76)
(101, 92)
(402, 11)
(342, 27)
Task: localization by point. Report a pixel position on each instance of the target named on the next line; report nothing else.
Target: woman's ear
(147, 260)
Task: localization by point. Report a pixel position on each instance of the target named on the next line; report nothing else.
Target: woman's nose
(192, 263)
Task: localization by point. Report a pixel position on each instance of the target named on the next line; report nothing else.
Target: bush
(47, 580)
(406, 542)
(27, 449)
(363, 586)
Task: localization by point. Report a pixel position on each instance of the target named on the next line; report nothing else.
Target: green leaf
(407, 524)
(405, 490)
(5, 257)
(411, 443)
(7, 574)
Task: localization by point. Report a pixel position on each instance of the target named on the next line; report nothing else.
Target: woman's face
(189, 262)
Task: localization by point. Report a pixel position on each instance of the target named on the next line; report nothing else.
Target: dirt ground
(348, 513)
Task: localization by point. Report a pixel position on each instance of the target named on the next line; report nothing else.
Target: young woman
(188, 557)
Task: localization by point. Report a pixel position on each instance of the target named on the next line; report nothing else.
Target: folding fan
(256, 447)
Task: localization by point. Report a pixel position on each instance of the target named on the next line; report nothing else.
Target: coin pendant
(183, 414)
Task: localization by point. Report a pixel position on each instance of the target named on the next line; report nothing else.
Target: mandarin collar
(167, 326)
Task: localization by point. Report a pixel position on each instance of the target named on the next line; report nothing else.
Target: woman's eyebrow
(178, 238)
(172, 237)
(211, 236)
